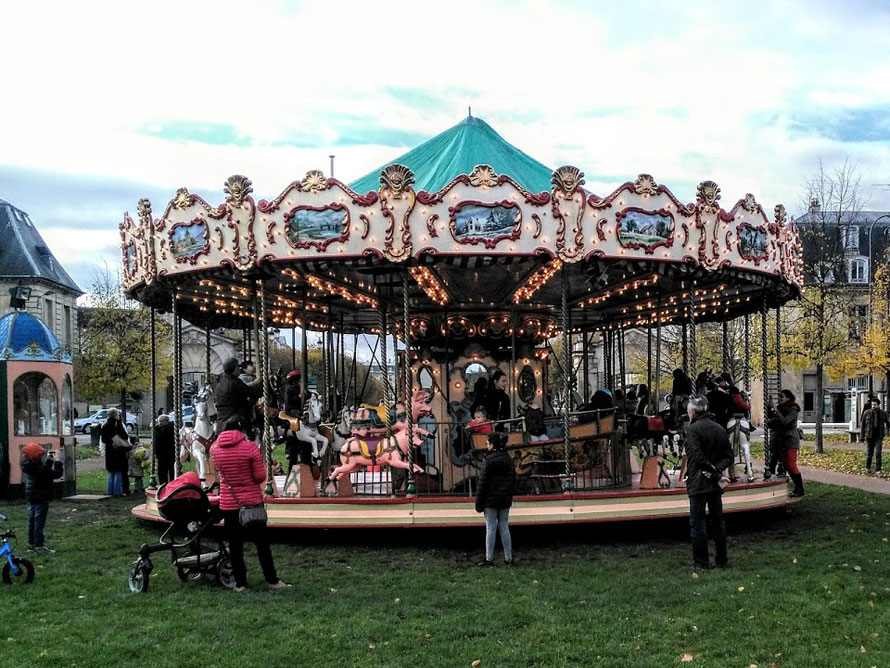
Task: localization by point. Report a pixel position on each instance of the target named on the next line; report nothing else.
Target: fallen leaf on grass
(372, 646)
(694, 575)
(686, 658)
(862, 649)
(857, 568)
(397, 601)
(476, 663)
(741, 588)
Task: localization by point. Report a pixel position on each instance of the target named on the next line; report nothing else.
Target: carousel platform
(615, 505)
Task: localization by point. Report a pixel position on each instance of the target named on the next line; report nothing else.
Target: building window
(49, 313)
(851, 237)
(857, 270)
(68, 326)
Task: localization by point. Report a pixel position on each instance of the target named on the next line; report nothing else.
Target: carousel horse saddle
(372, 448)
(293, 422)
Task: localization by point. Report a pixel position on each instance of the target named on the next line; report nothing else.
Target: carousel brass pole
(778, 349)
(685, 344)
(513, 374)
(293, 345)
(622, 365)
(657, 394)
(585, 352)
(406, 333)
(649, 362)
(355, 369)
(152, 480)
(567, 383)
(764, 352)
(304, 350)
(747, 367)
(726, 360)
(384, 355)
(177, 382)
(693, 345)
(207, 355)
(267, 394)
(342, 340)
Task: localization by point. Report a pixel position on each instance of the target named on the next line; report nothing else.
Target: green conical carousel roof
(456, 151)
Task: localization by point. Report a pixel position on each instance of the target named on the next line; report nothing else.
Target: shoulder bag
(249, 516)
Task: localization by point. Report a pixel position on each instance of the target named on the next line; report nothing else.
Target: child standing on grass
(39, 469)
(494, 496)
(139, 463)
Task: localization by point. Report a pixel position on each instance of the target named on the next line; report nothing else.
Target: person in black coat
(494, 496)
(497, 401)
(708, 453)
(234, 398)
(39, 469)
(165, 449)
(116, 450)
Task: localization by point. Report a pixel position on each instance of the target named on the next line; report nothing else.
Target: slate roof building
(26, 261)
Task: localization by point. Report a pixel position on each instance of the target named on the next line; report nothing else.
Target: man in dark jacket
(165, 449)
(234, 398)
(873, 429)
(708, 453)
(39, 469)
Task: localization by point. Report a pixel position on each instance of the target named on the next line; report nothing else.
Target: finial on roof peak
(470, 112)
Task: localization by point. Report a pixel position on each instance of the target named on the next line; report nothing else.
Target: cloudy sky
(104, 103)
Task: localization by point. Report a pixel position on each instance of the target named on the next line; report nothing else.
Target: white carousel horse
(195, 441)
(305, 428)
(739, 429)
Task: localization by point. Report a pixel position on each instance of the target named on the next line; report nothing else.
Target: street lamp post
(871, 228)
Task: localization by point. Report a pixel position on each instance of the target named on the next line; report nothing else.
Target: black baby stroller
(190, 512)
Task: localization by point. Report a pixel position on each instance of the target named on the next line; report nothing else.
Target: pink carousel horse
(369, 447)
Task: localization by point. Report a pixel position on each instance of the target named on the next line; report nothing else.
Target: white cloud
(694, 91)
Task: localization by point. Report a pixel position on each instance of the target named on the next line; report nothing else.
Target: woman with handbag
(240, 467)
(117, 444)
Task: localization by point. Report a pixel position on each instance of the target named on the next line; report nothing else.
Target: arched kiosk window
(35, 405)
(67, 407)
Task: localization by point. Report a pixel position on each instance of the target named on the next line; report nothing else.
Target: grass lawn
(809, 587)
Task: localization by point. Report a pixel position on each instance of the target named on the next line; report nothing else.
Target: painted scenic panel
(189, 240)
(488, 224)
(752, 242)
(645, 229)
(307, 226)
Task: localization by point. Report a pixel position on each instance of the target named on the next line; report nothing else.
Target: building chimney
(815, 207)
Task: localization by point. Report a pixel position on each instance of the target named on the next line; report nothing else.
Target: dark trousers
(875, 446)
(165, 468)
(236, 535)
(698, 528)
(125, 481)
(37, 522)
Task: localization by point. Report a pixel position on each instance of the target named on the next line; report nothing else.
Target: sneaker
(280, 585)
(486, 562)
(43, 549)
(240, 590)
(509, 562)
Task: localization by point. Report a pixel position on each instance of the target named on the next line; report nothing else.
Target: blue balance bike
(15, 569)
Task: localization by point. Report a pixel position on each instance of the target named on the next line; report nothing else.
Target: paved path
(864, 482)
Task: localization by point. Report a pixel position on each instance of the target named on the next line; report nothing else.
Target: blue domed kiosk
(37, 395)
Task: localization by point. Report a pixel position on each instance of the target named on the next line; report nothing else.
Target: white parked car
(82, 425)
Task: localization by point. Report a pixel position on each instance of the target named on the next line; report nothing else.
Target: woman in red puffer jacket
(240, 467)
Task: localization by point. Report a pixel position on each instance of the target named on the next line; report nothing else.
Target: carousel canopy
(26, 338)
(474, 243)
(457, 151)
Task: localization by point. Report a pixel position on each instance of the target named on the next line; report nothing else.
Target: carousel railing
(598, 459)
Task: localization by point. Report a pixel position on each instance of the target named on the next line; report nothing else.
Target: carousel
(466, 259)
